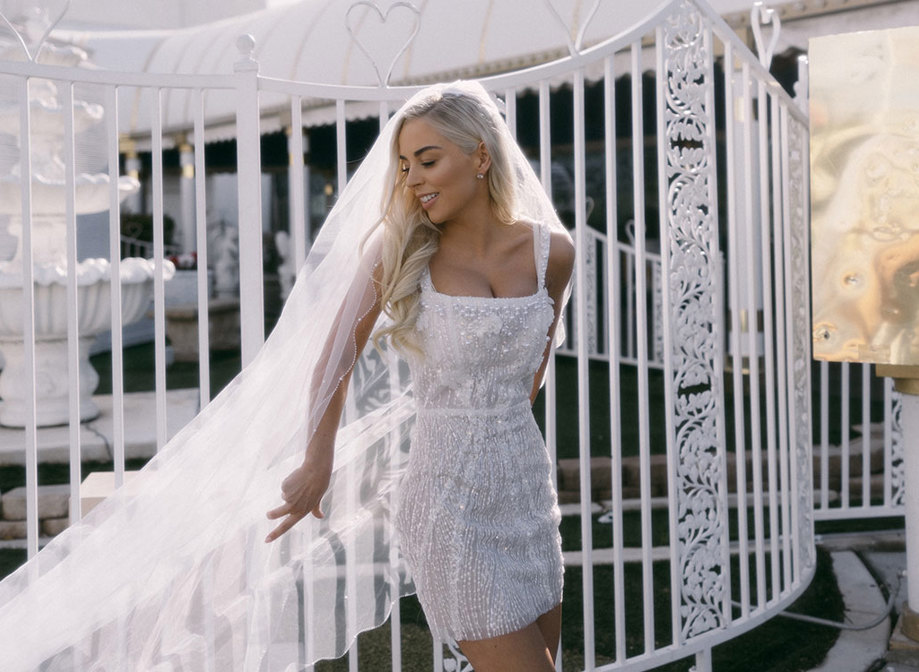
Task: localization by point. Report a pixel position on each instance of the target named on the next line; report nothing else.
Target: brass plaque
(864, 123)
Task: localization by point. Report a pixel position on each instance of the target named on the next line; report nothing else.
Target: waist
(474, 411)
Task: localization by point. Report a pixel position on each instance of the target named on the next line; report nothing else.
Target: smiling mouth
(427, 198)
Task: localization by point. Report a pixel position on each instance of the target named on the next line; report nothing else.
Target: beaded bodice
(481, 353)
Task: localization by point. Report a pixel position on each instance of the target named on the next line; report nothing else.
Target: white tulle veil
(171, 572)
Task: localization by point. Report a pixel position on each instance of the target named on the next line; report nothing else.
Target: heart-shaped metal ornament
(353, 25)
(31, 22)
(759, 17)
(575, 41)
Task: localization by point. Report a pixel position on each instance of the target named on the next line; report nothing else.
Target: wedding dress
(171, 572)
(478, 514)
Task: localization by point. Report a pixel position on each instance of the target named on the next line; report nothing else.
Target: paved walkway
(859, 560)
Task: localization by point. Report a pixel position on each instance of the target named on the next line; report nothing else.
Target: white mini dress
(478, 513)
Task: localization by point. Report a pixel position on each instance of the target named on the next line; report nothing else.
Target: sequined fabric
(478, 514)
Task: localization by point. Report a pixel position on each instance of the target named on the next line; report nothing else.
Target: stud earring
(480, 176)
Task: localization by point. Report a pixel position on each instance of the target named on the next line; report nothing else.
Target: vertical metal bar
(866, 436)
(510, 111)
(844, 427)
(737, 361)
(249, 176)
(350, 569)
(159, 308)
(581, 241)
(767, 163)
(111, 119)
(703, 661)
(341, 147)
(73, 305)
(551, 394)
(641, 319)
(888, 442)
(663, 187)
(613, 288)
(545, 176)
(824, 434)
(296, 184)
(438, 655)
(718, 311)
(781, 309)
(789, 339)
(204, 347)
(395, 617)
(752, 346)
(28, 323)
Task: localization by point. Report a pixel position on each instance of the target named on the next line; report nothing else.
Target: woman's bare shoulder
(561, 260)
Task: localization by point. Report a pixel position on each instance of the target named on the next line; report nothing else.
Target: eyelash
(425, 164)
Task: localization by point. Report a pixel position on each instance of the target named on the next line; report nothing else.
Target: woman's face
(438, 172)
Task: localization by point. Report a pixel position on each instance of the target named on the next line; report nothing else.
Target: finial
(245, 44)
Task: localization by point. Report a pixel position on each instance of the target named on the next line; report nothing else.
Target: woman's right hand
(302, 492)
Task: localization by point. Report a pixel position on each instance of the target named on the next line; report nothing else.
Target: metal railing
(708, 404)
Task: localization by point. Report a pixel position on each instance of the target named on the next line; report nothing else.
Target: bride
(445, 252)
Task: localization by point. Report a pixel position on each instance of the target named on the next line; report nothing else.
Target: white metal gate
(690, 315)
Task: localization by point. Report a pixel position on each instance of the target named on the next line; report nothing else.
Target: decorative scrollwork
(897, 465)
(456, 661)
(691, 242)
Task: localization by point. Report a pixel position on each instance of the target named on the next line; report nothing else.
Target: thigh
(522, 651)
(550, 625)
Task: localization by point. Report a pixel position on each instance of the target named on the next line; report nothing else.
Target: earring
(480, 176)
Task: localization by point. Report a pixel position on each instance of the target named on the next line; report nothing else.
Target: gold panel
(864, 122)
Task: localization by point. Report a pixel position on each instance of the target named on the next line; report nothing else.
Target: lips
(428, 199)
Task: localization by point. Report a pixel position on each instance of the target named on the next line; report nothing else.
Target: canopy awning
(334, 42)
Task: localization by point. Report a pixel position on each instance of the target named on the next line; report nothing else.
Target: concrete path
(857, 650)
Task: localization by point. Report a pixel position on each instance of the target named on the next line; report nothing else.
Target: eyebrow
(419, 152)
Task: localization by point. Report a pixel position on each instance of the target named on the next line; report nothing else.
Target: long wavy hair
(409, 236)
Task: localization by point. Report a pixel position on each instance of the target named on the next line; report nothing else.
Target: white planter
(182, 289)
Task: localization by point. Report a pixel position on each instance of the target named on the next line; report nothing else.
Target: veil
(171, 572)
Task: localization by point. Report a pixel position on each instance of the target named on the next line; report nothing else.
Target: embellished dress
(478, 514)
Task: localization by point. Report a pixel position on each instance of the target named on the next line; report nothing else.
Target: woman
(469, 275)
(474, 295)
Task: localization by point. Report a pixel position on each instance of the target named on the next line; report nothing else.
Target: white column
(910, 423)
(187, 192)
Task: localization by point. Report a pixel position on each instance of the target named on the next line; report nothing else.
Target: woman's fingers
(293, 517)
(282, 510)
(285, 525)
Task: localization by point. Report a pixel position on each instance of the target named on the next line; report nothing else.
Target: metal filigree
(456, 661)
(373, 8)
(31, 23)
(691, 241)
(897, 465)
(798, 227)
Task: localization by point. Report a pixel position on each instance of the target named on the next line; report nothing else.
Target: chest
(476, 331)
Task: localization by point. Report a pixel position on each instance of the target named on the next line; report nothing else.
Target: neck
(475, 228)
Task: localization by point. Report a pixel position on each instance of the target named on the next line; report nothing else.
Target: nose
(412, 177)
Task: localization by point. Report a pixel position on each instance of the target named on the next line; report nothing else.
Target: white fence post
(249, 162)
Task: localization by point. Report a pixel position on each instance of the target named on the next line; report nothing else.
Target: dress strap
(541, 238)
(426, 283)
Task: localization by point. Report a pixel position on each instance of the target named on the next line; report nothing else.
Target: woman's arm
(558, 273)
(303, 489)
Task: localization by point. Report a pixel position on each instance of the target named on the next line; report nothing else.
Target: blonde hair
(409, 236)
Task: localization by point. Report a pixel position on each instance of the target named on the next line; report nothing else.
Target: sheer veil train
(171, 572)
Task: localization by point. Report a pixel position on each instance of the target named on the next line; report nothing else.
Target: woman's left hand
(301, 491)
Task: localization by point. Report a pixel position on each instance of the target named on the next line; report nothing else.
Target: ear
(483, 158)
